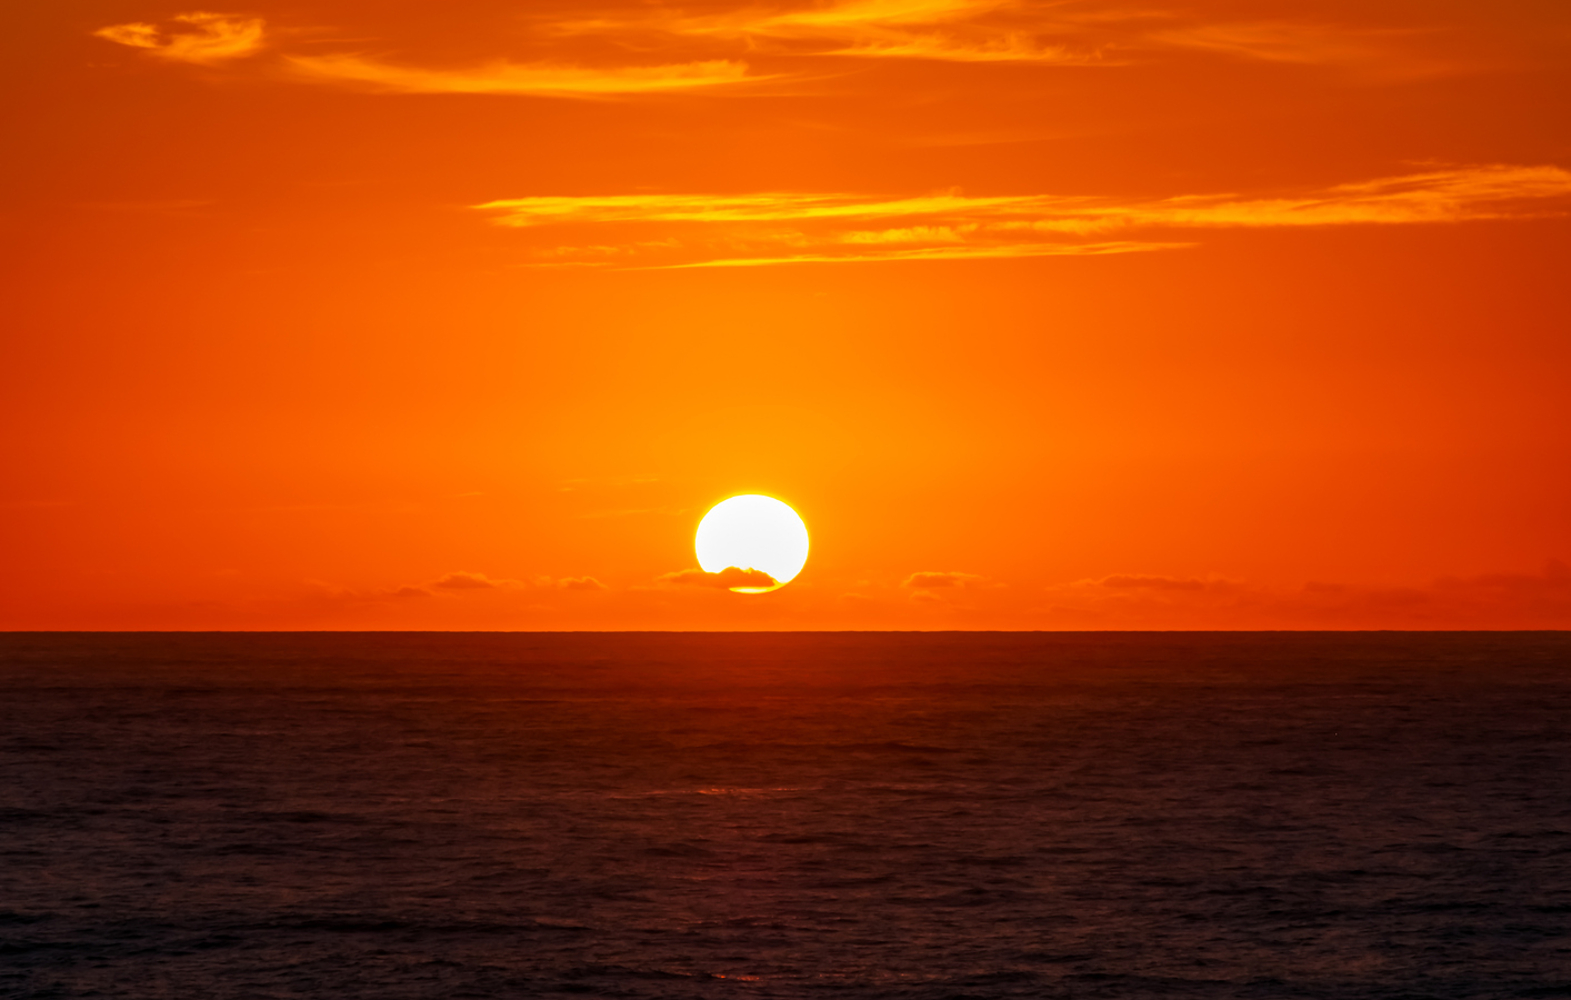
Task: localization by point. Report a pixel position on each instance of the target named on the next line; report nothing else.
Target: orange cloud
(502, 77)
(943, 253)
(762, 207)
(956, 31)
(945, 30)
(216, 38)
(580, 583)
(1482, 192)
(749, 230)
(1374, 52)
(993, 31)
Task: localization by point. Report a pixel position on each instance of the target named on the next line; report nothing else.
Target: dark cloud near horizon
(1135, 580)
(1487, 601)
(731, 576)
(467, 581)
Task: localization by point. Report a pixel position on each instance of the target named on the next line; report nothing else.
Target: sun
(752, 532)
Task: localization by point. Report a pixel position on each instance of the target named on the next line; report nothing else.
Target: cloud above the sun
(769, 228)
(503, 77)
(200, 37)
(672, 50)
(206, 38)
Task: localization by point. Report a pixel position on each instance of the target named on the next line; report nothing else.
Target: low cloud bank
(1486, 601)
(731, 576)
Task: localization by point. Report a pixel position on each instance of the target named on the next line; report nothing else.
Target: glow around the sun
(755, 532)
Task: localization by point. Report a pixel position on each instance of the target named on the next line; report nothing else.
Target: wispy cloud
(996, 252)
(835, 20)
(712, 50)
(947, 48)
(944, 30)
(749, 230)
(1374, 52)
(993, 31)
(502, 77)
(208, 38)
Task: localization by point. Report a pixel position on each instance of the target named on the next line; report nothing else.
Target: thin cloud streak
(940, 30)
(1436, 196)
(762, 207)
(745, 230)
(503, 77)
(1011, 48)
(1373, 52)
(996, 31)
(940, 253)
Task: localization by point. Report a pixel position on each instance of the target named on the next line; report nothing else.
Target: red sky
(344, 314)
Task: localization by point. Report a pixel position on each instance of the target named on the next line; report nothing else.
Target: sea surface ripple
(1369, 815)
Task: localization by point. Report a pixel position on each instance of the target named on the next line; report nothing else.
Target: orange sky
(342, 314)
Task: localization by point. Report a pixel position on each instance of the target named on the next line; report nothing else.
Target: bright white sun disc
(752, 531)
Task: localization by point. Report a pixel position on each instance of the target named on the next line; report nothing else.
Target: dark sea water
(786, 815)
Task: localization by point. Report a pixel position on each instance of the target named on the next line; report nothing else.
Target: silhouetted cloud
(457, 584)
(731, 576)
(212, 38)
(327, 593)
(580, 583)
(1491, 600)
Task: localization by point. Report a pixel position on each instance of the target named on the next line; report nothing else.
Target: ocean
(923, 815)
